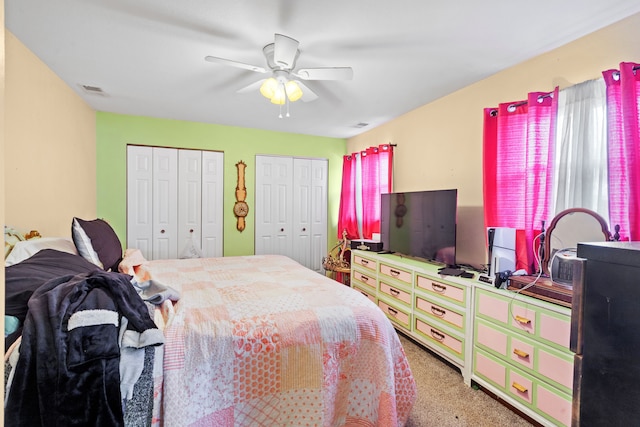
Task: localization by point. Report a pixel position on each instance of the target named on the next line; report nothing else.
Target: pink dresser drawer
(453, 292)
(395, 314)
(556, 330)
(452, 343)
(440, 312)
(492, 338)
(522, 353)
(366, 263)
(493, 307)
(363, 278)
(554, 404)
(396, 273)
(367, 294)
(555, 368)
(490, 369)
(520, 386)
(523, 318)
(395, 293)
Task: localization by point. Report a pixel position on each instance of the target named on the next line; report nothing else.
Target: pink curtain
(347, 220)
(375, 179)
(517, 169)
(623, 140)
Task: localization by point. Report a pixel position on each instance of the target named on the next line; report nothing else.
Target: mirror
(567, 229)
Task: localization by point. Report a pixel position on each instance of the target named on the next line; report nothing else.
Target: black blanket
(68, 370)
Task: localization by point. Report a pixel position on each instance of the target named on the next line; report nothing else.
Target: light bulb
(293, 91)
(279, 95)
(269, 87)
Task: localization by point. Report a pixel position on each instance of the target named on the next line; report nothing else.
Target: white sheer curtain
(581, 149)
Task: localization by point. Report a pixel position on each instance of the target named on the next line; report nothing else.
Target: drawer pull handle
(394, 292)
(366, 295)
(437, 335)
(364, 278)
(523, 320)
(438, 311)
(394, 273)
(392, 311)
(364, 262)
(519, 387)
(438, 287)
(520, 353)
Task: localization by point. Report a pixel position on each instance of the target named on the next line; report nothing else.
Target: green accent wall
(116, 131)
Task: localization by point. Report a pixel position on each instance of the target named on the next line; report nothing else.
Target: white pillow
(26, 248)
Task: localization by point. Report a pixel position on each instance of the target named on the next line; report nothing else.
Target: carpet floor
(445, 400)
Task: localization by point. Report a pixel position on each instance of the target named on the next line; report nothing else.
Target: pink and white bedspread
(263, 341)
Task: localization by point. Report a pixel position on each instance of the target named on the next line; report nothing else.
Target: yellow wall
(439, 145)
(50, 155)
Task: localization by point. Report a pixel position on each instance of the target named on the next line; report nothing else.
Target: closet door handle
(304, 229)
(191, 230)
(161, 231)
(281, 230)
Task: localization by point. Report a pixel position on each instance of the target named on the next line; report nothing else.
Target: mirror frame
(547, 241)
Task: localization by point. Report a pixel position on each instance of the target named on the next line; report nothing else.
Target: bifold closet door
(174, 195)
(152, 177)
(274, 205)
(189, 198)
(165, 200)
(140, 199)
(212, 203)
(291, 208)
(310, 212)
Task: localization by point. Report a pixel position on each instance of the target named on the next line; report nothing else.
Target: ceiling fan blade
(235, 64)
(285, 51)
(255, 86)
(307, 94)
(327, 73)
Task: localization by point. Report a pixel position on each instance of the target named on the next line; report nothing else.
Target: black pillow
(23, 278)
(97, 242)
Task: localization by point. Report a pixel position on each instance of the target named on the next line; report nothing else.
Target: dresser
(432, 309)
(521, 353)
(512, 345)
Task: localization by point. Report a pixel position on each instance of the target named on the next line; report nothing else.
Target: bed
(263, 341)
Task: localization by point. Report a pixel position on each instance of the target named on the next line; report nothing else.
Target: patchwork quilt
(264, 341)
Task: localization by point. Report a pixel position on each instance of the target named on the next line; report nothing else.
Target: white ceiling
(148, 55)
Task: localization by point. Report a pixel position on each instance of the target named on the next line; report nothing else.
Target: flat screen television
(420, 224)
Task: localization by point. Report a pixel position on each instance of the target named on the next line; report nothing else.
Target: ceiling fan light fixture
(269, 87)
(279, 97)
(293, 90)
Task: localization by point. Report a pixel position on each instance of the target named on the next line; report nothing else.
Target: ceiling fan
(284, 85)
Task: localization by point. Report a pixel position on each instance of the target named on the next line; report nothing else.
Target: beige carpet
(445, 400)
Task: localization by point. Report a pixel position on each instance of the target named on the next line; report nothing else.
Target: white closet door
(212, 206)
(189, 198)
(318, 209)
(139, 199)
(310, 212)
(302, 193)
(274, 203)
(165, 199)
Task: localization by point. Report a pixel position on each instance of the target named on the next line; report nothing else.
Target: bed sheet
(263, 341)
